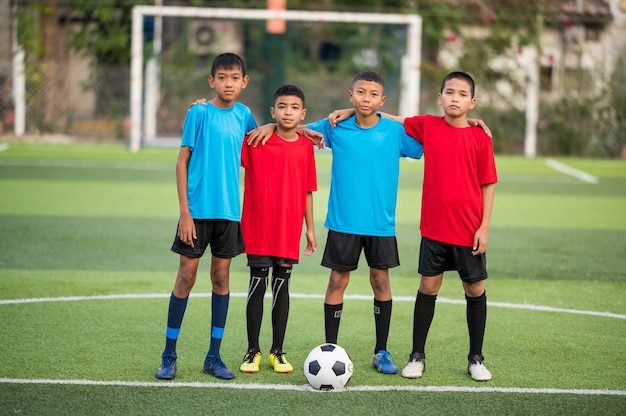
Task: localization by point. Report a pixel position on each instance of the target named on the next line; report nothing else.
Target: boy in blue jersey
(207, 177)
(362, 204)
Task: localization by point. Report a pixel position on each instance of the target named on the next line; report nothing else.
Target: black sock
(422, 318)
(332, 317)
(254, 305)
(280, 305)
(382, 320)
(476, 312)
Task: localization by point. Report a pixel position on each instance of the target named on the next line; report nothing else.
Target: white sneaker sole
(413, 369)
(479, 372)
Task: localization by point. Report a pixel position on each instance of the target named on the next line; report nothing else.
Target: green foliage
(105, 30)
(613, 115)
(617, 91)
(28, 29)
(585, 121)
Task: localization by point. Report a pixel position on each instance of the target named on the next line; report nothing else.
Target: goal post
(410, 65)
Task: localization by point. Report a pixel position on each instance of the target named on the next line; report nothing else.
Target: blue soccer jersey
(364, 174)
(215, 136)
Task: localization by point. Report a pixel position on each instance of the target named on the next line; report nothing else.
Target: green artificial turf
(86, 271)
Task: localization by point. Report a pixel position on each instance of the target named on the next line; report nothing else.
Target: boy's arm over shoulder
(324, 127)
(340, 115)
(399, 119)
(319, 125)
(414, 126)
(195, 110)
(480, 123)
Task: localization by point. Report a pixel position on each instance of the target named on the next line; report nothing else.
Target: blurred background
(550, 74)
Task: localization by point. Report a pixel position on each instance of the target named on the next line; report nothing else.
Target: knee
(185, 281)
(220, 280)
(380, 284)
(338, 281)
(430, 286)
(474, 290)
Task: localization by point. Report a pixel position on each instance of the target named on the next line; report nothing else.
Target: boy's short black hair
(369, 76)
(228, 61)
(289, 90)
(460, 75)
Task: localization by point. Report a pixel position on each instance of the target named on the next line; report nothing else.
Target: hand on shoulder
(480, 123)
(202, 101)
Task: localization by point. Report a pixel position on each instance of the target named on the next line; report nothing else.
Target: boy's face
(456, 99)
(288, 111)
(228, 84)
(367, 97)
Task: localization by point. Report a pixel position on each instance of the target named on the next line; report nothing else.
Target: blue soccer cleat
(167, 371)
(384, 363)
(214, 365)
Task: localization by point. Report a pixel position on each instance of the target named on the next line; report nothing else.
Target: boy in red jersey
(457, 200)
(280, 178)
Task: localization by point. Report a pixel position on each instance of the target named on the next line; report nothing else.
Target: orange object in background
(276, 26)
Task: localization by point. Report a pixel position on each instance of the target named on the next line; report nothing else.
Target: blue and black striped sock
(219, 311)
(175, 316)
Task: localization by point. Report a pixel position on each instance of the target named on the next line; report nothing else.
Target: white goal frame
(410, 65)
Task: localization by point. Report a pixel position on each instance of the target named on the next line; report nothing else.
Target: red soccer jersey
(278, 176)
(457, 162)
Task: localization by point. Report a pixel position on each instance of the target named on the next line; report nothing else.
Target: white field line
(4, 147)
(310, 296)
(254, 386)
(568, 170)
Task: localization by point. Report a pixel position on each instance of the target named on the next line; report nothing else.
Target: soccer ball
(328, 367)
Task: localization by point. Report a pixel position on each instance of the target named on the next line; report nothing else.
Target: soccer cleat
(214, 365)
(279, 363)
(477, 369)
(384, 363)
(415, 367)
(167, 371)
(251, 362)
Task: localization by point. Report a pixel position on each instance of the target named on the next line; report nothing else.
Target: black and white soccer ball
(328, 367)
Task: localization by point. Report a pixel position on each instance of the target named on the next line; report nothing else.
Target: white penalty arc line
(568, 170)
(290, 387)
(310, 296)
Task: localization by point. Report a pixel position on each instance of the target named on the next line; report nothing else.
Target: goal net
(173, 48)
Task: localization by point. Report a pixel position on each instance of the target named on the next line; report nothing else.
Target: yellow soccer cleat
(251, 362)
(279, 362)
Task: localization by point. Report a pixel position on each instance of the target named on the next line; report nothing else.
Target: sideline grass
(98, 220)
